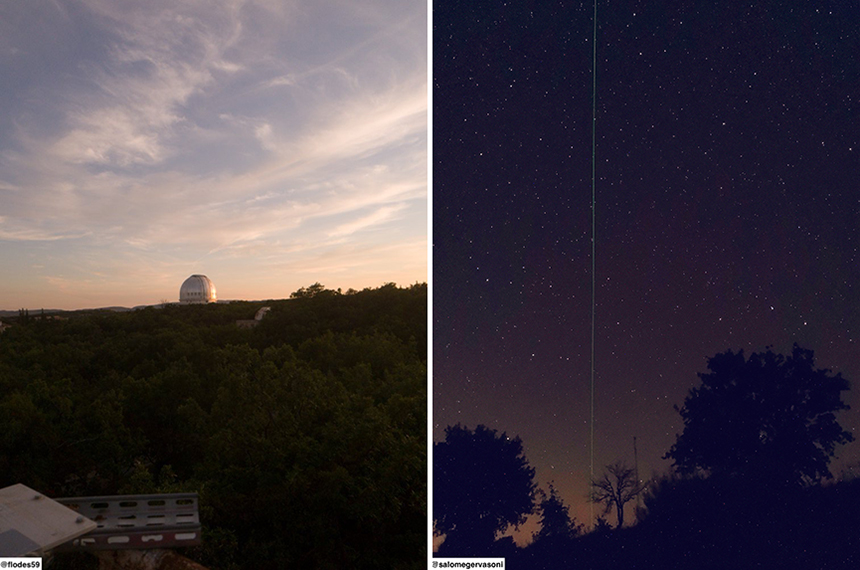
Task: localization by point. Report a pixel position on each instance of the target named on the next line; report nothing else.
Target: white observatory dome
(197, 289)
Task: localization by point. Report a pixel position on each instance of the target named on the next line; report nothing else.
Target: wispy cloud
(380, 216)
(190, 132)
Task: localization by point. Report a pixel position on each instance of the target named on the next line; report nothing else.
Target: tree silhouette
(601, 526)
(482, 483)
(769, 417)
(555, 519)
(617, 487)
(309, 291)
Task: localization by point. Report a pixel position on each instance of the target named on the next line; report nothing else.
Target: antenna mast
(636, 472)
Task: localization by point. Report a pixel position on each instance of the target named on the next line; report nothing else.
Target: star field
(727, 214)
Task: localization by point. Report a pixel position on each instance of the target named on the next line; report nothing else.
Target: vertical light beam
(593, 223)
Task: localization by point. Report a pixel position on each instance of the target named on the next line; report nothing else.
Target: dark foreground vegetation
(304, 436)
(697, 523)
(750, 488)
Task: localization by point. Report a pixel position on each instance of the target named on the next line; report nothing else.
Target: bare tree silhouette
(617, 487)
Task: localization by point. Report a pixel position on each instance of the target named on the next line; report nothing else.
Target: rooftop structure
(31, 523)
(251, 323)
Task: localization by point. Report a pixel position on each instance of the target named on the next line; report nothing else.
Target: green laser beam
(593, 224)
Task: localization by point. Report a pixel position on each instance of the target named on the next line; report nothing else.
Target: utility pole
(636, 473)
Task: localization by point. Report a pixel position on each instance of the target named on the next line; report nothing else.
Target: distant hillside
(36, 312)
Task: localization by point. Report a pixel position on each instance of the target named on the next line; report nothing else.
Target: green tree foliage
(769, 417)
(482, 483)
(310, 291)
(305, 436)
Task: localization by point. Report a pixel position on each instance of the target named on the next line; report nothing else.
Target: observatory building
(197, 289)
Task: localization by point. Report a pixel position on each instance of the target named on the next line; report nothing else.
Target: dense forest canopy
(304, 435)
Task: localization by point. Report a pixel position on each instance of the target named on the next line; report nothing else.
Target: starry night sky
(728, 208)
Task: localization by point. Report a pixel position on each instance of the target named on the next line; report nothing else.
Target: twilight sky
(264, 143)
(728, 210)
